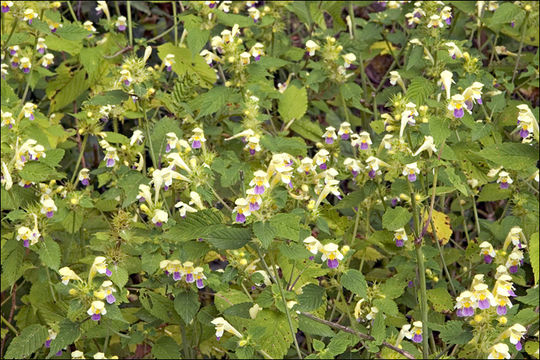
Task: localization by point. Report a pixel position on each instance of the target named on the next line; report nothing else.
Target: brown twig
(359, 334)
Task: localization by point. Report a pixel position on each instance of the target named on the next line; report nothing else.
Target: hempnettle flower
(96, 310)
(48, 207)
(428, 146)
(67, 274)
(446, 15)
(499, 351)
(515, 259)
(7, 119)
(89, 26)
(47, 60)
(28, 236)
(320, 158)
(28, 110)
(6, 5)
(313, 245)
(416, 332)
(257, 51)
(30, 15)
(209, 57)
(363, 140)
(125, 77)
(353, 166)
(410, 171)
(106, 291)
(136, 138)
(245, 58)
(515, 333)
(465, 304)
(253, 199)
(311, 47)
(330, 135)
(400, 236)
(331, 253)
(160, 217)
(260, 182)
(373, 165)
(168, 62)
(515, 236)
(100, 266)
(121, 23)
(435, 22)
(199, 276)
(456, 105)
(486, 249)
(111, 157)
(502, 301)
(197, 139)
(306, 166)
(41, 46)
(344, 130)
(254, 13)
(223, 325)
(504, 180)
(484, 297)
(348, 59)
(242, 210)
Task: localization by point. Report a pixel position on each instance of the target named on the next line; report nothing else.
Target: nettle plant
(269, 179)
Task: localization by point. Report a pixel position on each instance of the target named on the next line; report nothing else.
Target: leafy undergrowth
(269, 179)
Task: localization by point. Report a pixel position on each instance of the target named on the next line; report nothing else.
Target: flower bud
(74, 201)
(345, 249)
(242, 343)
(73, 292)
(243, 262)
(478, 318)
(503, 320)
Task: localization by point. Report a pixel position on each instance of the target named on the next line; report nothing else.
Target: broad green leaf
(194, 225)
(291, 145)
(419, 90)
(188, 63)
(50, 254)
(226, 237)
(440, 299)
(119, 275)
(396, 218)
(286, 226)
(52, 157)
(453, 333)
(379, 329)
(38, 172)
(72, 32)
(293, 103)
(264, 232)
(311, 297)
(186, 304)
(493, 192)
(68, 333)
(512, 156)
(531, 298)
(166, 348)
(276, 338)
(354, 281)
(386, 306)
(456, 180)
(29, 340)
(70, 92)
(534, 256)
(113, 97)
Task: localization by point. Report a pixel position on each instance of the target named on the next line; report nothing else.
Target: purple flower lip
(159, 223)
(96, 317)
(254, 206)
(110, 299)
(190, 278)
(240, 218)
(126, 82)
(121, 27)
(412, 177)
(483, 304)
(458, 113)
(200, 283)
(417, 338)
(259, 189)
(501, 310)
(48, 343)
(196, 144)
(513, 269)
(323, 166)
(518, 346)
(110, 162)
(258, 57)
(26, 243)
(364, 145)
(329, 140)
(345, 137)
(332, 264)
(372, 174)
(108, 272)
(252, 151)
(524, 133)
(5, 9)
(488, 259)
(504, 185)
(177, 276)
(49, 214)
(399, 242)
(85, 182)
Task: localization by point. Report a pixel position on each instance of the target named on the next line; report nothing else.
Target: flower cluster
(179, 270)
(329, 252)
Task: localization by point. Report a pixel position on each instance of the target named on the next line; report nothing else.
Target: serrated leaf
(311, 297)
(226, 237)
(307, 129)
(276, 338)
(386, 306)
(49, 253)
(313, 327)
(493, 192)
(354, 281)
(212, 101)
(531, 298)
(38, 172)
(52, 157)
(439, 129)
(292, 145)
(12, 257)
(113, 97)
(534, 256)
(440, 299)
(68, 333)
(457, 181)
(187, 63)
(119, 275)
(453, 333)
(511, 156)
(186, 304)
(286, 226)
(264, 232)
(442, 226)
(72, 32)
(29, 340)
(379, 329)
(396, 218)
(419, 90)
(166, 348)
(70, 91)
(194, 225)
(293, 103)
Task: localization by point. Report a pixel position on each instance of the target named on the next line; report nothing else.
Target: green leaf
(187, 63)
(113, 97)
(194, 225)
(52, 157)
(49, 253)
(116, 138)
(386, 306)
(313, 327)
(54, 43)
(292, 145)
(72, 32)
(534, 256)
(286, 226)
(119, 275)
(130, 182)
(159, 135)
(159, 306)
(293, 103)
(379, 329)
(396, 218)
(226, 237)
(12, 257)
(419, 90)
(276, 338)
(186, 304)
(68, 333)
(38, 172)
(212, 101)
(453, 333)
(512, 156)
(439, 128)
(531, 298)
(339, 343)
(440, 299)
(456, 180)
(493, 192)
(308, 129)
(311, 297)
(354, 281)
(29, 340)
(70, 92)
(264, 232)
(166, 348)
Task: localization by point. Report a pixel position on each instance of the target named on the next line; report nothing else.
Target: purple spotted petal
(259, 189)
(524, 133)
(59, 353)
(332, 264)
(110, 162)
(48, 343)
(159, 224)
(504, 185)
(469, 105)
(501, 310)
(458, 113)
(329, 140)
(26, 243)
(518, 346)
(190, 278)
(459, 312)
(200, 283)
(372, 174)
(240, 218)
(412, 177)
(177, 276)
(196, 144)
(5, 9)
(399, 242)
(108, 272)
(364, 145)
(417, 338)
(85, 182)
(354, 173)
(483, 304)
(254, 206)
(252, 151)
(468, 311)
(111, 299)
(488, 259)
(479, 100)
(49, 214)
(345, 136)
(513, 269)
(121, 27)
(323, 166)
(96, 317)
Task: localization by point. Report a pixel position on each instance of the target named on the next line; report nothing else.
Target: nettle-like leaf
(293, 103)
(29, 340)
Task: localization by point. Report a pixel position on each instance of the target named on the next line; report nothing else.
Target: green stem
(524, 28)
(477, 222)
(11, 327)
(71, 11)
(422, 275)
(130, 24)
(464, 221)
(289, 320)
(175, 23)
(105, 344)
(50, 283)
(81, 154)
(446, 272)
(187, 353)
(381, 196)
(13, 27)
